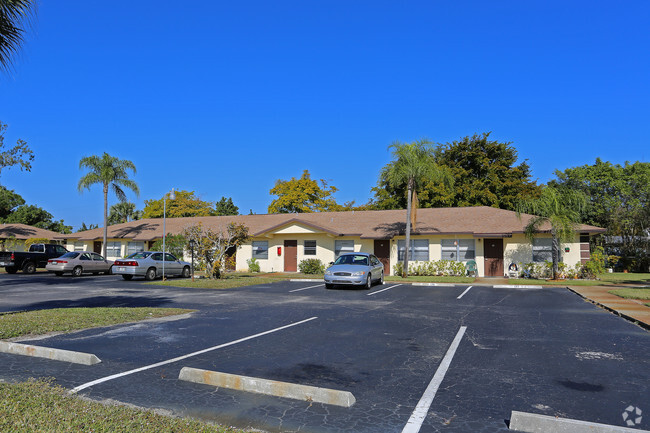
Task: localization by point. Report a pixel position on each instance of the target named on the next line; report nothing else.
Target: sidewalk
(629, 308)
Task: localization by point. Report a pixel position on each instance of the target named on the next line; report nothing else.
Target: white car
(149, 264)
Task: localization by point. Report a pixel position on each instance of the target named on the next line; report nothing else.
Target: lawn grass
(603, 279)
(40, 406)
(632, 293)
(228, 282)
(528, 281)
(625, 278)
(39, 322)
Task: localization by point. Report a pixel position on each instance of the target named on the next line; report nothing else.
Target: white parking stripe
(305, 288)
(383, 290)
(419, 414)
(463, 294)
(169, 361)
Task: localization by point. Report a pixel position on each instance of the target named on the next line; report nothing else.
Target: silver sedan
(149, 264)
(359, 269)
(78, 263)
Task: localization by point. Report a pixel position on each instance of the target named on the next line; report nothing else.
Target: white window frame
(134, 247)
(343, 246)
(309, 250)
(542, 250)
(458, 250)
(418, 252)
(260, 250)
(79, 246)
(112, 247)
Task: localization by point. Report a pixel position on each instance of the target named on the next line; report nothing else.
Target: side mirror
(331, 263)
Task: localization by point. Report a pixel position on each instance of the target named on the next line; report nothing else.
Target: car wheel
(186, 272)
(77, 271)
(369, 281)
(58, 274)
(29, 268)
(127, 277)
(381, 278)
(109, 272)
(150, 274)
(11, 269)
(329, 286)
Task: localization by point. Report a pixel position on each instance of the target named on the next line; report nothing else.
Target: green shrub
(441, 268)
(253, 265)
(311, 266)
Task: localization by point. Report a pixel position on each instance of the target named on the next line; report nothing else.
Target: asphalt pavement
(544, 351)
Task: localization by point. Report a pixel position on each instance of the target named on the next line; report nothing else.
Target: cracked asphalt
(542, 351)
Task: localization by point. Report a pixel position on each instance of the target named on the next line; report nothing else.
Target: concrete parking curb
(268, 387)
(49, 353)
(434, 284)
(306, 280)
(534, 423)
(517, 286)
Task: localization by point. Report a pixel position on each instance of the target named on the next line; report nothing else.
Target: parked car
(78, 263)
(359, 269)
(149, 264)
(28, 261)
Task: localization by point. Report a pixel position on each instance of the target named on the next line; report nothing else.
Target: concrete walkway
(631, 309)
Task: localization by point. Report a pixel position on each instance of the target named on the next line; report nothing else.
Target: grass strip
(223, 283)
(632, 293)
(40, 322)
(40, 406)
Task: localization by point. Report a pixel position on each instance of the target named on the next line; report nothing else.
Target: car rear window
(140, 255)
(69, 255)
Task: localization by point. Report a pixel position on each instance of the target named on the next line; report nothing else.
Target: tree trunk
(104, 246)
(405, 270)
(555, 253)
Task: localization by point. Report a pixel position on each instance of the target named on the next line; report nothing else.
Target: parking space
(542, 351)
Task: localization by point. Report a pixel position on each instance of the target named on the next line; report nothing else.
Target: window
(134, 247)
(157, 257)
(114, 249)
(460, 250)
(96, 257)
(261, 250)
(79, 246)
(310, 248)
(542, 250)
(169, 257)
(341, 247)
(419, 250)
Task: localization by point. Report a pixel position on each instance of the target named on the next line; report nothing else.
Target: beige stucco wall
(519, 249)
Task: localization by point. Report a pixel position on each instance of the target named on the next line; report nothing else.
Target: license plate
(121, 269)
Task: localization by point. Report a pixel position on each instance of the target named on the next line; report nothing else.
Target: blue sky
(224, 98)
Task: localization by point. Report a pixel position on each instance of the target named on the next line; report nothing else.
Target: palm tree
(560, 211)
(110, 172)
(123, 212)
(14, 14)
(413, 164)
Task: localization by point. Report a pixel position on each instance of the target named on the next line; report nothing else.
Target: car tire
(150, 274)
(109, 272)
(11, 269)
(381, 278)
(77, 271)
(58, 273)
(329, 286)
(369, 282)
(186, 272)
(29, 268)
(127, 277)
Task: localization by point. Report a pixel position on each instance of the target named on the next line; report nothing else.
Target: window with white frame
(419, 250)
(542, 249)
(114, 249)
(79, 246)
(134, 247)
(459, 250)
(261, 250)
(343, 246)
(310, 248)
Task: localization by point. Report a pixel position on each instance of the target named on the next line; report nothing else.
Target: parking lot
(543, 351)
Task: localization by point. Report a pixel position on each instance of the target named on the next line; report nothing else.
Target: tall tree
(20, 155)
(37, 217)
(226, 207)
(14, 17)
(559, 211)
(111, 173)
(485, 174)
(212, 244)
(412, 165)
(9, 201)
(303, 195)
(186, 204)
(123, 212)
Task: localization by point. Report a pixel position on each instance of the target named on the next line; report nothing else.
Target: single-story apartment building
(13, 236)
(492, 237)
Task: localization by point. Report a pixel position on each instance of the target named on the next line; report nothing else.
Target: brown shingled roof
(478, 221)
(23, 231)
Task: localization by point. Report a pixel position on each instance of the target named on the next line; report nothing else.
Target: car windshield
(140, 255)
(69, 255)
(352, 259)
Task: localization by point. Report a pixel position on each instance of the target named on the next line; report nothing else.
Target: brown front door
(493, 251)
(382, 251)
(97, 247)
(290, 256)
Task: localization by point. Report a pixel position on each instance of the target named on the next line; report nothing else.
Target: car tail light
(57, 262)
(12, 257)
(126, 263)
